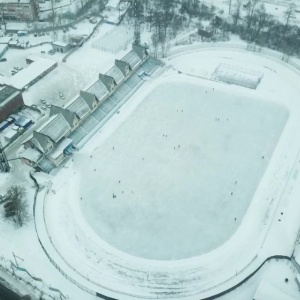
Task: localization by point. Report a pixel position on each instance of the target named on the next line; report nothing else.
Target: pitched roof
(67, 114)
(123, 66)
(79, 107)
(40, 141)
(57, 128)
(132, 59)
(107, 81)
(88, 98)
(139, 50)
(98, 89)
(116, 74)
(31, 154)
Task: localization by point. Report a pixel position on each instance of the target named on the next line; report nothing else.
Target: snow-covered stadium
(184, 191)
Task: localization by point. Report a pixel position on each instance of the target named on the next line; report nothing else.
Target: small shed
(61, 47)
(31, 156)
(10, 135)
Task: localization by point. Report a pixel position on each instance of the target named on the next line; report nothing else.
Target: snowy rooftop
(60, 148)
(132, 58)
(11, 133)
(98, 89)
(56, 128)
(79, 106)
(116, 73)
(27, 75)
(5, 39)
(31, 154)
(60, 44)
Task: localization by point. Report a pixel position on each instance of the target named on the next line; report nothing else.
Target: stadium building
(77, 120)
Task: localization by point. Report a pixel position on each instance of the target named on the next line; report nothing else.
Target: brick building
(20, 10)
(10, 100)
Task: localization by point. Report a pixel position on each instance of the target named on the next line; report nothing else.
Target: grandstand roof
(66, 113)
(88, 98)
(116, 74)
(79, 107)
(108, 81)
(123, 66)
(56, 128)
(132, 59)
(139, 50)
(98, 89)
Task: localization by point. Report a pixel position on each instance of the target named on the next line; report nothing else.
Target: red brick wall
(11, 106)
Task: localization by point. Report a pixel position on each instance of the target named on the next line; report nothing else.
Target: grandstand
(114, 102)
(74, 123)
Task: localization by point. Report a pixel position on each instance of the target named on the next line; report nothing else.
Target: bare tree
(262, 20)
(250, 9)
(237, 11)
(289, 13)
(16, 206)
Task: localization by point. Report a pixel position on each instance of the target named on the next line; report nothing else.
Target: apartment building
(19, 10)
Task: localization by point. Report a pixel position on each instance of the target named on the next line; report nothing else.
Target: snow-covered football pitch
(175, 179)
(180, 190)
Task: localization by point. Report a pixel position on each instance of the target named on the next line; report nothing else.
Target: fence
(83, 41)
(272, 54)
(99, 44)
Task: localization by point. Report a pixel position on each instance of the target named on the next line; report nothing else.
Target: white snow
(179, 156)
(33, 71)
(269, 226)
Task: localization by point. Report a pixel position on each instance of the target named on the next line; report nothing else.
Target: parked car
(43, 108)
(43, 52)
(3, 59)
(43, 101)
(10, 120)
(15, 127)
(48, 105)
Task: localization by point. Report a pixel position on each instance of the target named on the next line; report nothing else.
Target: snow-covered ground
(184, 164)
(115, 40)
(269, 226)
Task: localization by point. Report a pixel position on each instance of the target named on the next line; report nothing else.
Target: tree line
(248, 19)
